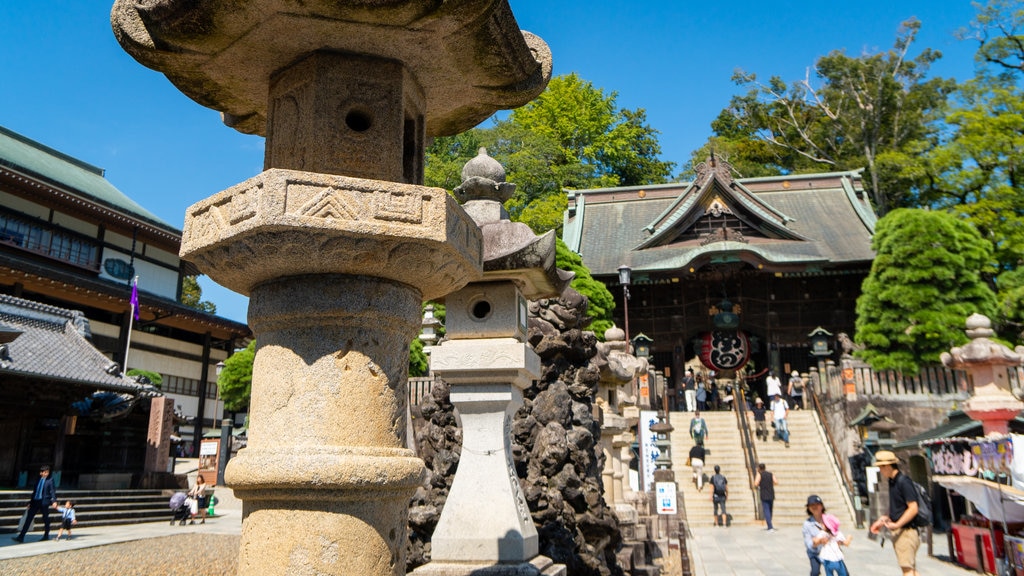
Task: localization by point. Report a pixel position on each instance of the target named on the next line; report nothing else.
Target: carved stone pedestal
(336, 269)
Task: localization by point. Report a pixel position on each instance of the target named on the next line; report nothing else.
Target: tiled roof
(73, 175)
(827, 220)
(53, 345)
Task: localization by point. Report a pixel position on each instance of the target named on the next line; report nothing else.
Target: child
(68, 519)
(831, 555)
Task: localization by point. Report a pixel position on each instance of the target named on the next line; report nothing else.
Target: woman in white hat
(796, 390)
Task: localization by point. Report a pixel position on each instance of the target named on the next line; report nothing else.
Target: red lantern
(724, 350)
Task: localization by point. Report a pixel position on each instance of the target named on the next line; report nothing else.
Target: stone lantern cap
(468, 56)
(512, 251)
(981, 351)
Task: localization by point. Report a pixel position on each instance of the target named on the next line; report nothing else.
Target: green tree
(1011, 304)
(419, 364)
(235, 380)
(601, 303)
(924, 283)
(853, 112)
(153, 378)
(192, 296)
(446, 156)
(999, 30)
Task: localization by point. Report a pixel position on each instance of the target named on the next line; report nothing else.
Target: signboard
(648, 450)
(666, 497)
(208, 451)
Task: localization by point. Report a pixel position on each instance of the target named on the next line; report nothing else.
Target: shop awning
(997, 502)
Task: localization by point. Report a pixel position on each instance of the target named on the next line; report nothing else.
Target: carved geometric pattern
(400, 206)
(717, 208)
(206, 223)
(328, 204)
(243, 205)
(722, 235)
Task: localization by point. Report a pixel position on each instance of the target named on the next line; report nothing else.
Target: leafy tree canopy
(153, 378)
(846, 116)
(235, 380)
(601, 303)
(192, 296)
(924, 283)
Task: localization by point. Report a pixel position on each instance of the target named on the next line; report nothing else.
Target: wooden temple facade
(737, 272)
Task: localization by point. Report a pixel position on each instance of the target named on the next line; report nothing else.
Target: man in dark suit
(44, 495)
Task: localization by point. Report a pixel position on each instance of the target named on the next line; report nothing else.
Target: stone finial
(980, 350)
(483, 178)
(614, 334)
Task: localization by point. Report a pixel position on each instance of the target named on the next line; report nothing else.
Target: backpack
(718, 481)
(924, 506)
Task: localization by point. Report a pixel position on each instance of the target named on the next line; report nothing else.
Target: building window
(187, 386)
(39, 237)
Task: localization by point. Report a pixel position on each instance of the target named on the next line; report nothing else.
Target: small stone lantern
(986, 363)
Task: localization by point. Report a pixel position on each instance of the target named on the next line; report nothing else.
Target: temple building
(71, 241)
(736, 272)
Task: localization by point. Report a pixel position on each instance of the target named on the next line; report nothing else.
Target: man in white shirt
(780, 411)
(774, 384)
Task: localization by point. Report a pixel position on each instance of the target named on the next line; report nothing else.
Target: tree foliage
(999, 30)
(146, 376)
(847, 116)
(924, 283)
(601, 303)
(235, 380)
(192, 296)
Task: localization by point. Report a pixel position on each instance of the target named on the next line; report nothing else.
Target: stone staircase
(802, 469)
(805, 468)
(724, 443)
(92, 508)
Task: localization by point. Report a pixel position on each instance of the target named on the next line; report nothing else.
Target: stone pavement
(751, 551)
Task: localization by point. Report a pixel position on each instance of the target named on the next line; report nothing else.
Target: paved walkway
(751, 551)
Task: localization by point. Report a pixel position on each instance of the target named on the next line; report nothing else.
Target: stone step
(92, 507)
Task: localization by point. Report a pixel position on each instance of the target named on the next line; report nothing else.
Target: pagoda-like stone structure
(992, 402)
(337, 243)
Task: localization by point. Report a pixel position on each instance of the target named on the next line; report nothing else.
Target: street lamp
(624, 277)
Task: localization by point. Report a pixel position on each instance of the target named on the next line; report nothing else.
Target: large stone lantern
(986, 363)
(336, 242)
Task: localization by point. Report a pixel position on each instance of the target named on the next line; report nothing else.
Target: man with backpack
(698, 428)
(719, 495)
(902, 521)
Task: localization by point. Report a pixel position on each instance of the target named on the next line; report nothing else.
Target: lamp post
(226, 424)
(624, 278)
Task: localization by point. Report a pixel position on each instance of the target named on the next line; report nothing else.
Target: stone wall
(554, 445)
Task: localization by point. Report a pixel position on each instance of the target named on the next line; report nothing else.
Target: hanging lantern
(724, 350)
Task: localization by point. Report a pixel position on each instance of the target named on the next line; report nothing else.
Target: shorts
(204, 501)
(66, 523)
(719, 503)
(905, 543)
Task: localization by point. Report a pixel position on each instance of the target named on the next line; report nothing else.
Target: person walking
(697, 455)
(822, 540)
(68, 519)
(43, 498)
(780, 414)
(690, 390)
(766, 482)
(760, 422)
(795, 390)
(773, 384)
(900, 521)
(198, 492)
(698, 428)
(719, 495)
(702, 394)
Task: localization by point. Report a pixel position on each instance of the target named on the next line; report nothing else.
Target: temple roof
(51, 343)
(74, 176)
(794, 222)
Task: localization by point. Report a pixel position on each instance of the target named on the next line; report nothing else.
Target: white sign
(665, 497)
(648, 450)
(208, 449)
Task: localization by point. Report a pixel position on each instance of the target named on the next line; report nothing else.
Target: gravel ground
(182, 555)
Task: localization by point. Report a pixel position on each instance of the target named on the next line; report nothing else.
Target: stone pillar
(336, 269)
(158, 438)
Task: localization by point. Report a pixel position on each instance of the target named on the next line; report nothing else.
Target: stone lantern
(986, 363)
(486, 526)
(337, 242)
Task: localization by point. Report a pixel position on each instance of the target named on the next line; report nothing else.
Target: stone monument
(986, 362)
(337, 243)
(485, 526)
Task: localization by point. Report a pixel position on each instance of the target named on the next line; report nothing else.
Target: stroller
(181, 508)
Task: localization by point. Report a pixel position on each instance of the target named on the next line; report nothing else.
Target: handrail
(851, 493)
(740, 402)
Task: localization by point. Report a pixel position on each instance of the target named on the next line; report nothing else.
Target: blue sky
(65, 82)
